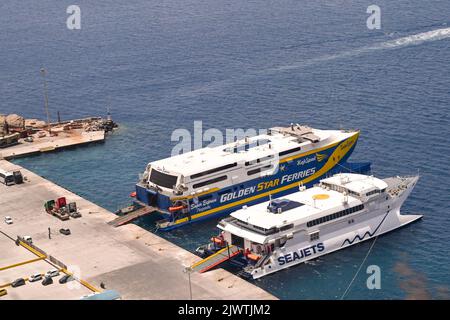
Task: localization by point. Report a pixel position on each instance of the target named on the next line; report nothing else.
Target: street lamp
(44, 73)
(188, 270)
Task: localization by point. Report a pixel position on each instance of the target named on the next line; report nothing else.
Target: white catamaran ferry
(214, 181)
(338, 212)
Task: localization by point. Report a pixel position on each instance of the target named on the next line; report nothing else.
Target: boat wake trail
(433, 35)
(415, 39)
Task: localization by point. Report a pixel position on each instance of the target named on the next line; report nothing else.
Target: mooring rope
(359, 269)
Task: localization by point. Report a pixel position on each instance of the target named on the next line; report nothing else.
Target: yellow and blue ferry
(215, 181)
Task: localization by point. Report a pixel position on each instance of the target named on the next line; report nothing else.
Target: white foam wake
(415, 39)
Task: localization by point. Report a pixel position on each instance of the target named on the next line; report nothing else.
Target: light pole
(188, 270)
(44, 73)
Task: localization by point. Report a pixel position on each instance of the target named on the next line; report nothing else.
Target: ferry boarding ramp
(133, 215)
(215, 259)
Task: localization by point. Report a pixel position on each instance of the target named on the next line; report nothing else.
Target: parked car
(75, 214)
(65, 231)
(28, 239)
(8, 220)
(18, 282)
(66, 278)
(35, 277)
(52, 273)
(3, 292)
(47, 280)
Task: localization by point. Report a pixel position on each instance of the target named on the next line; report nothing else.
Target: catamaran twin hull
(241, 181)
(341, 211)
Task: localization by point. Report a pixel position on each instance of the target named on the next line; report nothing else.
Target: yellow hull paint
(333, 159)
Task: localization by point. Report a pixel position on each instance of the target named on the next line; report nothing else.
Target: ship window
(287, 227)
(163, 179)
(353, 193)
(254, 228)
(333, 216)
(210, 181)
(248, 163)
(372, 192)
(314, 236)
(283, 153)
(254, 171)
(204, 173)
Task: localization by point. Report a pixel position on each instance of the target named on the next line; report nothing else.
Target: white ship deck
(204, 159)
(315, 202)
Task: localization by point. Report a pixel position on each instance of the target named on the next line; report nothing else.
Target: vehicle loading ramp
(215, 259)
(127, 218)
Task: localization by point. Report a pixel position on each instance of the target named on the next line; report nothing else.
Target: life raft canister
(218, 241)
(172, 209)
(253, 256)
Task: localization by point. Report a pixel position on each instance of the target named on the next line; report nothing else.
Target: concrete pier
(47, 144)
(136, 263)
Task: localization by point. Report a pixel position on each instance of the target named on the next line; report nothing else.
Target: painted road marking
(21, 263)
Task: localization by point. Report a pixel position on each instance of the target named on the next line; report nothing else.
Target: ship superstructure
(340, 211)
(214, 181)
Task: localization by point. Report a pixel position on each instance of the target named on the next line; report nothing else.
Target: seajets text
(302, 253)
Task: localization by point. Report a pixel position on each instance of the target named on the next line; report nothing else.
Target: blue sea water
(161, 65)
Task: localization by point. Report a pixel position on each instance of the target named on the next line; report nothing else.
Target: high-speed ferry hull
(340, 211)
(303, 169)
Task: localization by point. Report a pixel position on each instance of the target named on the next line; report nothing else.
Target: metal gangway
(215, 259)
(133, 215)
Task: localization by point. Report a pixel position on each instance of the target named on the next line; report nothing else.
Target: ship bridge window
(337, 188)
(372, 192)
(210, 181)
(204, 173)
(260, 230)
(254, 228)
(333, 216)
(163, 179)
(283, 153)
(353, 193)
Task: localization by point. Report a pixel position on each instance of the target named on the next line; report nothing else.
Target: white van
(6, 177)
